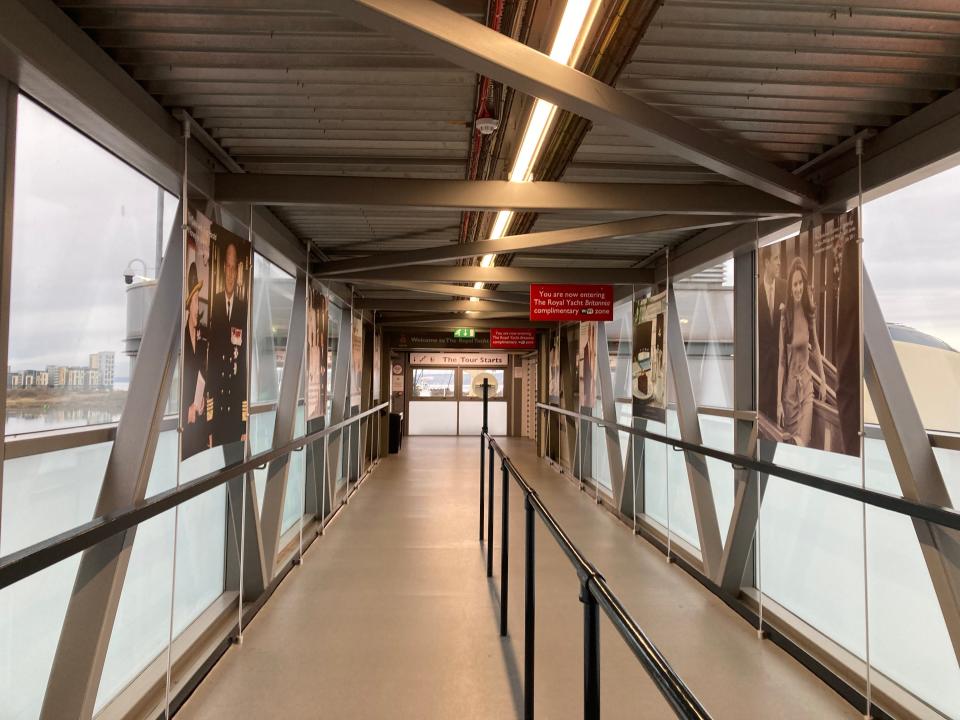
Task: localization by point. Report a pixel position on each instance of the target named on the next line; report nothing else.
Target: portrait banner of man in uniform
(648, 375)
(196, 333)
(808, 336)
(316, 353)
(221, 388)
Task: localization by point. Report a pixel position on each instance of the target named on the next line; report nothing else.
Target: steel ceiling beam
(289, 189)
(455, 321)
(474, 273)
(471, 45)
(407, 305)
(454, 290)
(526, 241)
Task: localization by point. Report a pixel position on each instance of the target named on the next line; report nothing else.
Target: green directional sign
(464, 332)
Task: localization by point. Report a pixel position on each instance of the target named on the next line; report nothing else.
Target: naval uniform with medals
(228, 368)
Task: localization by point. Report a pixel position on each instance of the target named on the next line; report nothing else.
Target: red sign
(513, 338)
(571, 302)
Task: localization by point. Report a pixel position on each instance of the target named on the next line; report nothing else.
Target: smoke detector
(487, 125)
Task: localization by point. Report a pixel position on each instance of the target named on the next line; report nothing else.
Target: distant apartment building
(97, 375)
(76, 377)
(102, 362)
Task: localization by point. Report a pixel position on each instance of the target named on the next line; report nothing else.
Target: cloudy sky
(80, 216)
(911, 250)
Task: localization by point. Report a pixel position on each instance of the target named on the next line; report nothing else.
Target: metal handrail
(595, 594)
(32, 559)
(894, 503)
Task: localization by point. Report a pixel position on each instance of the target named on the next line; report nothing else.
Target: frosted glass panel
(261, 440)
(471, 418)
(433, 418)
(717, 433)
(42, 495)
(812, 547)
(293, 499)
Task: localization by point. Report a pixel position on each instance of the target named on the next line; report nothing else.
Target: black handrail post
(591, 653)
(483, 441)
(483, 432)
(504, 546)
(529, 612)
(490, 512)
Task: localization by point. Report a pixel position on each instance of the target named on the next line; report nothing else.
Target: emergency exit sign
(464, 332)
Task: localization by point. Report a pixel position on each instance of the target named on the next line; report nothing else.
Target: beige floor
(391, 615)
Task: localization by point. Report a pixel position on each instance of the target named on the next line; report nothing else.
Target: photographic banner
(565, 303)
(513, 338)
(587, 363)
(553, 389)
(356, 359)
(648, 376)
(316, 353)
(216, 298)
(808, 336)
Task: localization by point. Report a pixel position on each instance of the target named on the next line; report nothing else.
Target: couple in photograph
(788, 341)
(808, 333)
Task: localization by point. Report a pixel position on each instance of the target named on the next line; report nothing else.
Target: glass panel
(261, 440)
(706, 322)
(683, 522)
(918, 290)
(293, 498)
(43, 495)
(434, 382)
(272, 304)
(472, 377)
(143, 616)
(69, 309)
(811, 558)
(717, 433)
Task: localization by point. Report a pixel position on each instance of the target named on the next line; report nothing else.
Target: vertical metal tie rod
(504, 545)
(529, 610)
(490, 513)
(483, 432)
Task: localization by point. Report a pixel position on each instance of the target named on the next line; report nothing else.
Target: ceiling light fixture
(577, 17)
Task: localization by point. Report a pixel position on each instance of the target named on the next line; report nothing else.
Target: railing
(32, 559)
(930, 513)
(595, 595)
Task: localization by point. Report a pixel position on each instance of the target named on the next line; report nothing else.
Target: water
(31, 420)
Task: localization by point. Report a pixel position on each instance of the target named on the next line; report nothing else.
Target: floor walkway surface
(392, 615)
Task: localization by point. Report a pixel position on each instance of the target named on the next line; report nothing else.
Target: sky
(911, 251)
(81, 215)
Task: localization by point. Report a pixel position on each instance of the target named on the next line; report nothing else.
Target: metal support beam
(455, 321)
(608, 407)
(275, 489)
(918, 146)
(92, 609)
(706, 248)
(8, 154)
(340, 190)
(433, 28)
(913, 459)
(439, 306)
(338, 405)
(526, 241)
(515, 298)
(698, 475)
(746, 503)
(475, 273)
